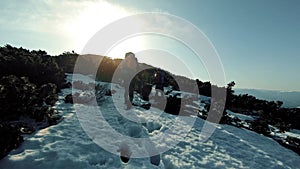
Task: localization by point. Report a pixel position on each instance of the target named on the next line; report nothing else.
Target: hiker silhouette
(129, 67)
(159, 82)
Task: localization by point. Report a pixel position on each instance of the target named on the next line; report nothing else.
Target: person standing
(129, 68)
(159, 82)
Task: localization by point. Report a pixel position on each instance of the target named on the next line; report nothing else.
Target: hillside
(290, 99)
(67, 146)
(35, 95)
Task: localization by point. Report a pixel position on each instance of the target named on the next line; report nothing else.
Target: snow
(68, 145)
(79, 77)
(275, 132)
(240, 116)
(293, 133)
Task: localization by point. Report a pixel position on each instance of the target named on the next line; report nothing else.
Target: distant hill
(290, 99)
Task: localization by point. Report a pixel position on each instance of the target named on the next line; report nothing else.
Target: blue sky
(258, 41)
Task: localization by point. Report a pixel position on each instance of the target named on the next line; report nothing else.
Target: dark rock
(67, 85)
(155, 160)
(54, 119)
(202, 114)
(40, 114)
(234, 121)
(51, 99)
(69, 99)
(260, 126)
(47, 89)
(146, 106)
(109, 92)
(225, 119)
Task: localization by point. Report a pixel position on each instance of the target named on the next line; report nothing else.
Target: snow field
(67, 145)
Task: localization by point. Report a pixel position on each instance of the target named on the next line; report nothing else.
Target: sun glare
(133, 44)
(92, 18)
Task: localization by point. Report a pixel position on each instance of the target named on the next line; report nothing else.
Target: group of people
(129, 69)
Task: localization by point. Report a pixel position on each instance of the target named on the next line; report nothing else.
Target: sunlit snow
(66, 145)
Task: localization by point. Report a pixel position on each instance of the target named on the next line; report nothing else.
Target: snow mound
(152, 126)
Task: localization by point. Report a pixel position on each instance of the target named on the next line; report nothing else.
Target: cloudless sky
(258, 41)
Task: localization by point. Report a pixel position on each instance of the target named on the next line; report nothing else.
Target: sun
(91, 18)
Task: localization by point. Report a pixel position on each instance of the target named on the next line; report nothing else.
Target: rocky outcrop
(69, 99)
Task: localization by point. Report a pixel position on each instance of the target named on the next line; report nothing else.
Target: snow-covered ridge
(66, 145)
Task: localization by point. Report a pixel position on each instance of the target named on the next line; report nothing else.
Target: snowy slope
(66, 145)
